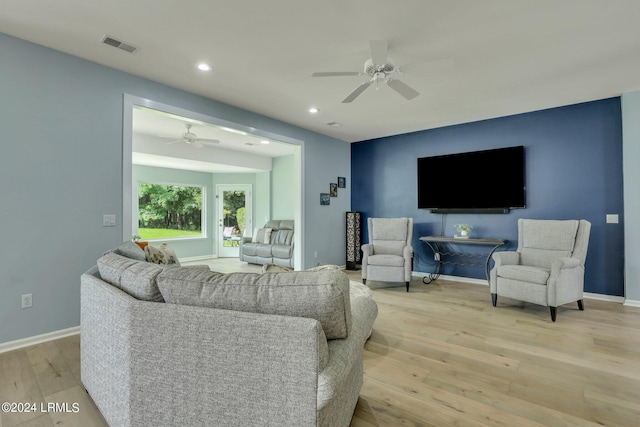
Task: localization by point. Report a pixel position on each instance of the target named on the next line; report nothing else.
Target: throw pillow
(161, 255)
(262, 235)
(267, 235)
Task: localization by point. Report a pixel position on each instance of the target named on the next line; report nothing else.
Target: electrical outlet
(315, 254)
(27, 300)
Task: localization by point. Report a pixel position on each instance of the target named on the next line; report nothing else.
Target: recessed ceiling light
(265, 142)
(204, 67)
(314, 110)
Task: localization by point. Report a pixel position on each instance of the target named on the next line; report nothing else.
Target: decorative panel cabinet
(354, 240)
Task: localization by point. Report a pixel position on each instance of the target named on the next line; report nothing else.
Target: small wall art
(333, 189)
(325, 199)
(342, 182)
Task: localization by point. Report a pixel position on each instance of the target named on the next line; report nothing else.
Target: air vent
(334, 124)
(119, 44)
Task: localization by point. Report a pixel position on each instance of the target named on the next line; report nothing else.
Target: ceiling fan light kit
(379, 68)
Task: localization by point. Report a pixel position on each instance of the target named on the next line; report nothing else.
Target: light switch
(108, 220)
(612, 218)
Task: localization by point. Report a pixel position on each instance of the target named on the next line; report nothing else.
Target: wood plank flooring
(440, 355)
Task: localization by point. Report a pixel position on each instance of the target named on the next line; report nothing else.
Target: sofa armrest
(566, 281)
(499, 259)
(340, 382)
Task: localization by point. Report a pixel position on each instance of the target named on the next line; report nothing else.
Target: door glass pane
(234, 217)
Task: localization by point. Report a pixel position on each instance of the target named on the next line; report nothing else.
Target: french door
(234, 217)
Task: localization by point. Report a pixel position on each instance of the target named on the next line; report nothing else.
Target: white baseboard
(587, 295)
(453, 278)
(603, 297)
(198, 258)
(38, 339)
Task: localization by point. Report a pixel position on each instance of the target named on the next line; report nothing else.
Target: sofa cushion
(162, 254)
(320, 295)
(137, 278)
(282, 237)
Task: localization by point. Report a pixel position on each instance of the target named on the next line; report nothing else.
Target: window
(170, 211)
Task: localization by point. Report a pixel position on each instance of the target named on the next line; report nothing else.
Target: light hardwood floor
(439, 355)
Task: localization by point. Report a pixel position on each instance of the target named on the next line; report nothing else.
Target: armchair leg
(553, 313)
(580, 305)
(494, 299)
(407, 286)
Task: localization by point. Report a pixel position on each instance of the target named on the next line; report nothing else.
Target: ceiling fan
(191, 138)
(379, 68)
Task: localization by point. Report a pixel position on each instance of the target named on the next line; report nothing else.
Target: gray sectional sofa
(277, 249)
(169, 345)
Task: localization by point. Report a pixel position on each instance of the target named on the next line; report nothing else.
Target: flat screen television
(478, 181)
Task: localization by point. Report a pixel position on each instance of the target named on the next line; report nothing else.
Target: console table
(438, 243)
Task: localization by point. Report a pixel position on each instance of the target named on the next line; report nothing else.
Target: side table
(439, 243)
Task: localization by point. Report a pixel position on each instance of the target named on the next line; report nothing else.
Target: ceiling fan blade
(353, 95)
(402, 89)
(174, 142)
(335, 73)
(379, 51)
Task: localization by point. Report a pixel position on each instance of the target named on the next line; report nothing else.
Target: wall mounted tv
(488, 181)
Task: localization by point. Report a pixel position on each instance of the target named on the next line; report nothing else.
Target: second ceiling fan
(379, 68)
(189, 137)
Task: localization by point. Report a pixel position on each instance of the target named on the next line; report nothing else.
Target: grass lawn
(164, 233)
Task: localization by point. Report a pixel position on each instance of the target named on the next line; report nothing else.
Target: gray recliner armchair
(387, 257)
(548, 266)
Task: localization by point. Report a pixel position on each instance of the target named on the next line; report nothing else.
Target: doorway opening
(196, 156)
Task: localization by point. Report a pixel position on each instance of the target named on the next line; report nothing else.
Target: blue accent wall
(573, 171)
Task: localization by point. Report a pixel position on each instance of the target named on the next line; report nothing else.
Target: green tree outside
(169, 207)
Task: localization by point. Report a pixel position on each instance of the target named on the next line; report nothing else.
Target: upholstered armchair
(548, 266)
(387, 256)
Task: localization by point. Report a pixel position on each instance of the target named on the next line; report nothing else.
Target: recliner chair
(548, 266)
(387, 257)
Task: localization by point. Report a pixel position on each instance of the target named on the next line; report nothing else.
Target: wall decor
(325, 199)
(333, 189)
(342, 182)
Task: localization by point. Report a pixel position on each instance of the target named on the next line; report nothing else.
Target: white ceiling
(157, 140)
(470, 60)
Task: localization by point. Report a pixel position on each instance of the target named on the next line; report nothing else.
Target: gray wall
(61, 126)
(631, 172)
(283, 196)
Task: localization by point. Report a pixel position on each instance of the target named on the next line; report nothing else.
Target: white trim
(603, 297)
(631, 303)
(38, 339)
(199, 258)
(587, 295)
(453, 278)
